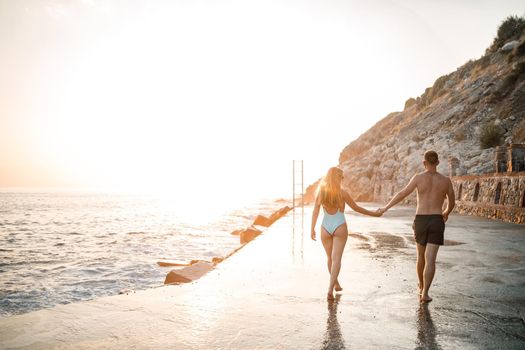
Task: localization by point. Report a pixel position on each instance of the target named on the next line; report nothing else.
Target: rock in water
(188, 274)
(249, 234)
(262, 221)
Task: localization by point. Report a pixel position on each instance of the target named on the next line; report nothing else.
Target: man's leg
(430, 268)
(420, 265)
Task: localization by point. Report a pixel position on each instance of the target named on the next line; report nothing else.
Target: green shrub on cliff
(510, 29)
(520, 50)
(490, 135)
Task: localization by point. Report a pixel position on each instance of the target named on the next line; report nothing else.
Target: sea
(59, 247)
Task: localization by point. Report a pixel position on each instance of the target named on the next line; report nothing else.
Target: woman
(333, 228)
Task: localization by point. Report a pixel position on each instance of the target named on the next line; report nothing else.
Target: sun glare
(202, 94)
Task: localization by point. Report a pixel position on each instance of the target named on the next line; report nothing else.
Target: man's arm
(315, 215)
(451, 200)
(402, 194)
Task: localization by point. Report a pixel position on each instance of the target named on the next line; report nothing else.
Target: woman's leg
(327, 240)
(338, 245)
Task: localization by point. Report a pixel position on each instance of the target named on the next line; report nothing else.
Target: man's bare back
(429, 224)
(432, 189)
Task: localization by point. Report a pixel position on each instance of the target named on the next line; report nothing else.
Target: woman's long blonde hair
(329, 191)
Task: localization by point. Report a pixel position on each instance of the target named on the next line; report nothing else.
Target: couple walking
(429, 225)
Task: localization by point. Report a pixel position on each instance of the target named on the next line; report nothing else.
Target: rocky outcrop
(464, 115)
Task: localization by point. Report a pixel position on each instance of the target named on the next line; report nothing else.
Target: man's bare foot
(330, 296)
(425, 299)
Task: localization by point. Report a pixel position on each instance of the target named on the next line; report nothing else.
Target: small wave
(136, 233)
(60, 244)
(28, 262)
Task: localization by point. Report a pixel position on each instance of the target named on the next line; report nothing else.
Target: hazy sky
(210, 95)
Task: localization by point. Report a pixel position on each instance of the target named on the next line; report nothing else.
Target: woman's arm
(357, 208)
(315, 215)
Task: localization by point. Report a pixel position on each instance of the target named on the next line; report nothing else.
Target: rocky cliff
(465, 114)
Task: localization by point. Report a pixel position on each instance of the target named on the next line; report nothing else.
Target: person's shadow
(333, 339)
(426, 331)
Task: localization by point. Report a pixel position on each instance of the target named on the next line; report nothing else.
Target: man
(429, 224)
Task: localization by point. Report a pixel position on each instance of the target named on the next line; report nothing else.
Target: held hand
(445, 216)
(378, 212)
(312, 235)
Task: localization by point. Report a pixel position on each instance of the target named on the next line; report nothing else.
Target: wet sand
(271, 295)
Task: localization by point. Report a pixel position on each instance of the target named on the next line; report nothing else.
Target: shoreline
(271, 294)
(52, 256)
(190, 270)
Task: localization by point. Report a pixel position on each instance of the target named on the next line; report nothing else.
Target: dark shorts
(429, 229)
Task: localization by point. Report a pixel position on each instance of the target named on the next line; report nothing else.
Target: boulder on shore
(172, 263)
(249, 234)
(262, 220)
(279, 214)
(217, 259)
(188, 274)
(237, 232)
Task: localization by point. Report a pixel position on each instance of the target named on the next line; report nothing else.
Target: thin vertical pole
(302, 208)
(293, 208)
(293, 187)
(302, 194)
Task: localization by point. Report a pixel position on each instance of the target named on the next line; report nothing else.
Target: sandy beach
(271, 295)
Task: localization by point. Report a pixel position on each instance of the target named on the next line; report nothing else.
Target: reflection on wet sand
(385, 245)
(426, 331)
(333, 339)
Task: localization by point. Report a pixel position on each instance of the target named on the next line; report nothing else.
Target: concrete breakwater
(197, 268)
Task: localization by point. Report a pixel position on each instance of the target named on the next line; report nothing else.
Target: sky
(214, 97)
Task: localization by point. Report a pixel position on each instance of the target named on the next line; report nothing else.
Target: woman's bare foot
(330, 296)
(425, 299)
(338, 287)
